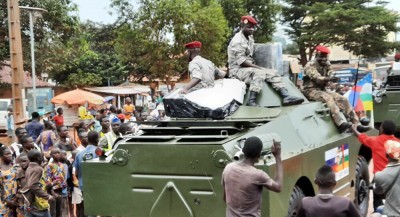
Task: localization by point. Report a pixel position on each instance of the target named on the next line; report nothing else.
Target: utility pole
(33, 14)
(14, 29)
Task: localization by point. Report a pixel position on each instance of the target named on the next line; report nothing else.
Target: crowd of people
(243, 183)
(41, 173)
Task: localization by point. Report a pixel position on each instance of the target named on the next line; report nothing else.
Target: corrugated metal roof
(5, 77)
(120, 90)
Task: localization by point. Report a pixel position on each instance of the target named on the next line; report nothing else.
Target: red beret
(193, 44)
(250, 19)
(322, 49)
(397, 56)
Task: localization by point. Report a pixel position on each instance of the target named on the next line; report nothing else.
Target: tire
(362, 186)
(295, 198)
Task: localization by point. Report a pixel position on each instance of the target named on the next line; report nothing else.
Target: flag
(360, 96)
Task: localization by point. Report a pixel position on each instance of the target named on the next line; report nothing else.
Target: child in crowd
(23, 163)
(27, 144)
(56, 177)
(325, 203)
(8, 184)
(70, 184)
(35, 189)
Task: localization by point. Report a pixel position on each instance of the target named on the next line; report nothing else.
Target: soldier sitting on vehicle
(242, 65)
(317, 75)
(202, 71)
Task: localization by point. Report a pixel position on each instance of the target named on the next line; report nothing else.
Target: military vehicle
(175, 168)
(386, 101)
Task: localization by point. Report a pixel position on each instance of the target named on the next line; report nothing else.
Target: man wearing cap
(387, 181)
(109, 138)
(202, 71)
(317, 76)
(377, 146)
(243, 183)
(242, 66)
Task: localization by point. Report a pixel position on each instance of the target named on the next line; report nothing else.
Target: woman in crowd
(47, 138)
(8, 184)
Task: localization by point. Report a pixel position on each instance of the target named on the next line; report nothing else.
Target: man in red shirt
(376, 144)
(59, 118)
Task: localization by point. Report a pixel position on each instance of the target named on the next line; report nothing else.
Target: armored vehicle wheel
(295, 198)
(362, 186)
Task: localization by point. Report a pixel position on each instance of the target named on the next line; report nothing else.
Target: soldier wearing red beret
(202, 71)
(242, 66)
(317, 75)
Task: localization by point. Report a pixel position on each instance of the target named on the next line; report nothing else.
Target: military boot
(362, 128)
(341, 122)
(252, 99)
(289, 100)
(365, 121)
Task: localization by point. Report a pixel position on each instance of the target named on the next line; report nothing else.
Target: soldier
(317, 74)
(202, 71)
(243, 67)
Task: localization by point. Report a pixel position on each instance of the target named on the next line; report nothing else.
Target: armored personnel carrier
(174, 169)
(386, 101)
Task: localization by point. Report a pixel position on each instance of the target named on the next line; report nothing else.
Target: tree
(88, 58)
(264, 11)
(152, 39)
(357, 25)
(292, 49)
(56, 25)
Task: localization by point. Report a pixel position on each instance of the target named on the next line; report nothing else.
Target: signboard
(338, 159)
(43, 100)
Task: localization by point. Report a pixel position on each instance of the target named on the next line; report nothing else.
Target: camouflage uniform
(314, 89)
(204, 70)
(239, 50)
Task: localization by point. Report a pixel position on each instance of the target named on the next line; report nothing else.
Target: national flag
(360, 96)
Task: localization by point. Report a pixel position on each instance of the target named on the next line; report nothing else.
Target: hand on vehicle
(276, 149)
(331, 79)
(183, 91)
(353, 128)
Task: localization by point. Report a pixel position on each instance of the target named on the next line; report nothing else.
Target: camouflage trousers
(338, 105)
(255, 77)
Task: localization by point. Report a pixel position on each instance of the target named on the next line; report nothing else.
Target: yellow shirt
(82, 112)
(129, 109)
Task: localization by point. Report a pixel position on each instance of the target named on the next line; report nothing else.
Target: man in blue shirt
(89, 153)
(34, 128)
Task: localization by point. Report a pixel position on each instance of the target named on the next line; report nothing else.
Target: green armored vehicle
(174, 169)
(386, 101)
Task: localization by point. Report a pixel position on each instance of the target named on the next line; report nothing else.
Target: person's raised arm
(276, 184)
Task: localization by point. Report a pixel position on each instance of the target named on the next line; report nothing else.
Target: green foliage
(57, 24)
(83, 79)
(292, 49)
(152, 39)
(358, 25)
(91, 53)
(264, 11)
